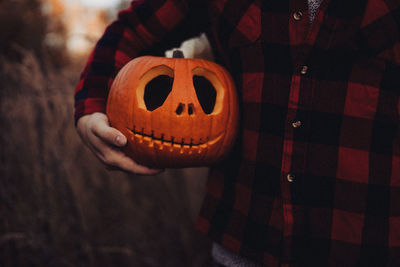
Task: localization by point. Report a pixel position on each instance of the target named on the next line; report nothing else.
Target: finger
(108, 134)
(99, 147)
(129, 165)
(117, 158)
(96, 145)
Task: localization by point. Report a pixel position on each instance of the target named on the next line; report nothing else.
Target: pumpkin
(175, 112)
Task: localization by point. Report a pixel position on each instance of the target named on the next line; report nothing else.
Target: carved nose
(181, 109)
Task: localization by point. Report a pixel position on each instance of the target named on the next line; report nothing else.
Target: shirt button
(296, 124)
(304, 70)
(290, 177)
(297, 15)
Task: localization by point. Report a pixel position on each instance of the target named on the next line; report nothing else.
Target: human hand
(106, 143)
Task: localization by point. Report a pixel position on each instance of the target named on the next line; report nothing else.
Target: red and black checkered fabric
(314, 179)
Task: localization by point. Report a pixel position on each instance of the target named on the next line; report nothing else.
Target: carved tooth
(199, 150)
(149, 141)
(158, 144)
(203, 146)
(172, 144)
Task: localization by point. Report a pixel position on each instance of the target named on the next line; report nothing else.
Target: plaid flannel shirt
(314, 179)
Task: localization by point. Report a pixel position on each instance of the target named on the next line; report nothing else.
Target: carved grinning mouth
(171, 141)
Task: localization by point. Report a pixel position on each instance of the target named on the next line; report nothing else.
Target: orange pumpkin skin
(171, 136)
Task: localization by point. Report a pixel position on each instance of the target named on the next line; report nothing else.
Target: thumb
(103, 130)
(120, 139)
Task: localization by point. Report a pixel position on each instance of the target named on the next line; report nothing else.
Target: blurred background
(58, 205)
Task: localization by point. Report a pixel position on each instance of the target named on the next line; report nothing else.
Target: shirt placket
(294, 151)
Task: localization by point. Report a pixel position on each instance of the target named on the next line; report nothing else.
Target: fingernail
(119, 140)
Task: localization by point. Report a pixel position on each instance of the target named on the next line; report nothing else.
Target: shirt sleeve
(147, 27)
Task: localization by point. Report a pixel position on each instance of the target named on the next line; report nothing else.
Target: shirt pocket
(373, 90)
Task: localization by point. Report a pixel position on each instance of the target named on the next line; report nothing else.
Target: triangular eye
(156, 91)
(206, 93)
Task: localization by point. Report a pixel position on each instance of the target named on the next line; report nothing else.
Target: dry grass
(60, 207)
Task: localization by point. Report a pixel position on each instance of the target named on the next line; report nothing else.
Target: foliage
(24, 24)
(58, 204)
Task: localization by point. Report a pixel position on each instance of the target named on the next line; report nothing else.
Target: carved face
(175, 112)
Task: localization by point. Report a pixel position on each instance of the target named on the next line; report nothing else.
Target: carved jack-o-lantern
(175, 112)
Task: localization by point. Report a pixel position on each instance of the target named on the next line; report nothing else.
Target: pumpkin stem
(178, 54)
